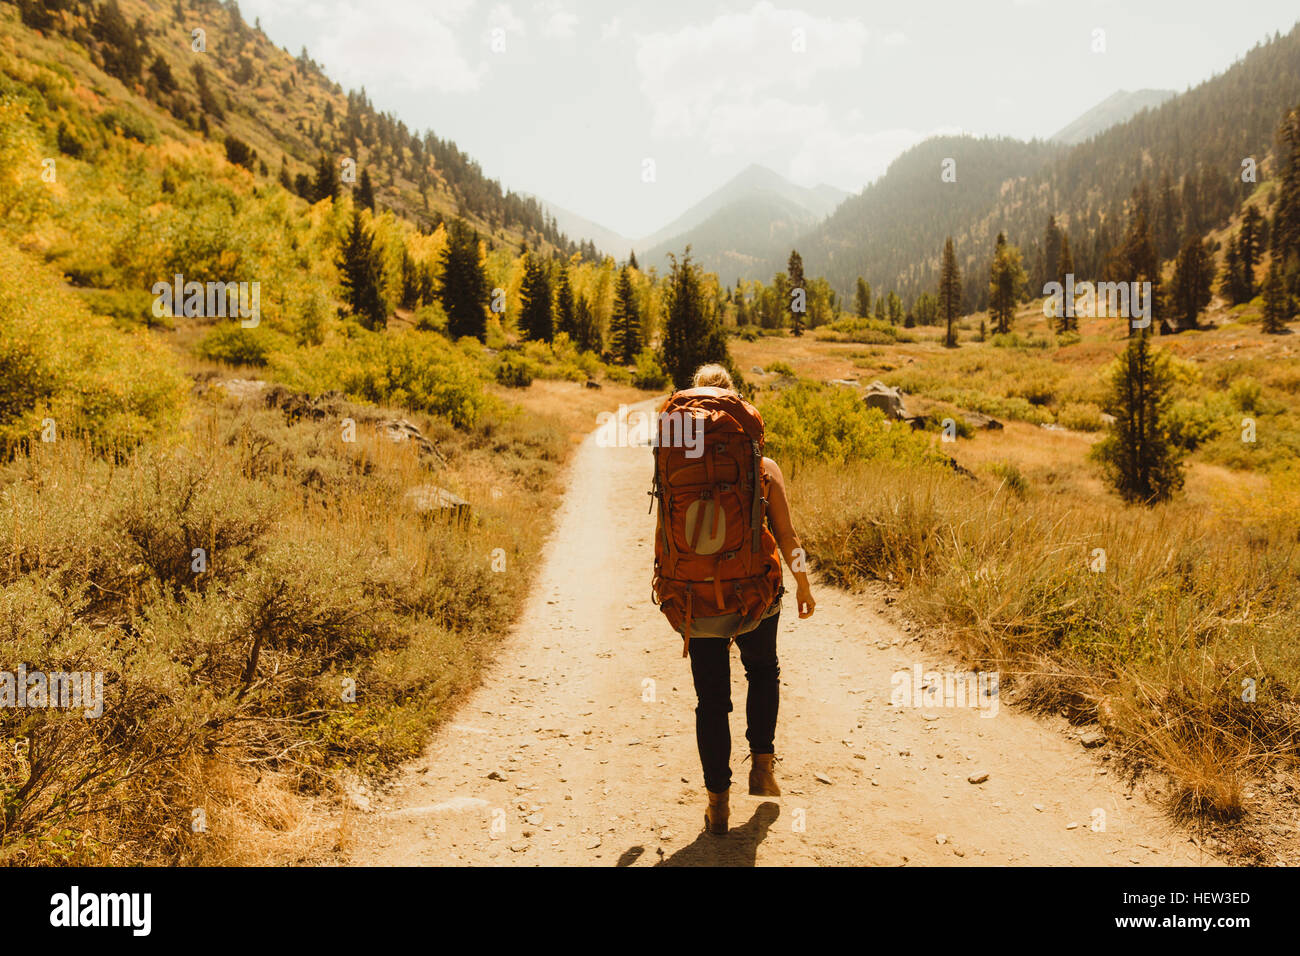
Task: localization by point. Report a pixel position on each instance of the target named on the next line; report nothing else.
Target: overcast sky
(568, 98)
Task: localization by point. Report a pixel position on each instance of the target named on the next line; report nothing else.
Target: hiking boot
(715, 816)
(762, 781)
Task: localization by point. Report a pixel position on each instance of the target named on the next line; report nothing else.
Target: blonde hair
(714, 376)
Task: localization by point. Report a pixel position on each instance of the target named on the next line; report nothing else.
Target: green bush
(650, 373)
(514, 371)
(417, 370)
(130, 124)
(1191, 423)
(1011, 478)
(231, 343)
(820, 423)
(1081, 416)
(59, 361)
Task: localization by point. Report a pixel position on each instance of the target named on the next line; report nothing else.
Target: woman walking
(730, 577)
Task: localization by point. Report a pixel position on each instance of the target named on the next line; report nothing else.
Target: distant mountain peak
(1120, 106)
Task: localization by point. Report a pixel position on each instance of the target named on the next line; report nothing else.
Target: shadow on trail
(738, 848)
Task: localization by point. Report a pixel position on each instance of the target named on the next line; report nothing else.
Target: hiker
(723, 518)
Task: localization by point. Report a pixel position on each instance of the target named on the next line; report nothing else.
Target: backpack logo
(714, 532)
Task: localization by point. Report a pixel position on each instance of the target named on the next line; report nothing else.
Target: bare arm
(778, 511)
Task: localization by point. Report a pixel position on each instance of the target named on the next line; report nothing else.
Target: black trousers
(711, 671)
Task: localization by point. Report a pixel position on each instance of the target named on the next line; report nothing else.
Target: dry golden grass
(315, 547)
(1198, 596)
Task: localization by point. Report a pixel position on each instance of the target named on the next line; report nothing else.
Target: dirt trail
(563, 756)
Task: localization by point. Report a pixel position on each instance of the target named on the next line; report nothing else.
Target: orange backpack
(717, 569)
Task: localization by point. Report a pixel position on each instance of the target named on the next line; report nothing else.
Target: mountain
(1188, 152)
(273, 113)
(892, 232)
(1114, 109)
(578, 227)
(738, 227)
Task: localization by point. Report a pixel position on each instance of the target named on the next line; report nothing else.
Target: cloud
(557, 20)
(739, 59)
(850, 159)
(612, 29)
(404, 44)
(502, 15)
(738, 85)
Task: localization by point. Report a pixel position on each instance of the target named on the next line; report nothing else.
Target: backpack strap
(686, 634)
(756, 508)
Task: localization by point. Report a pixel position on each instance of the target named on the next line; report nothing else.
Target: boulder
(437, 502)
(851, 383)
(592, 383)
(399, 430)
(888, 400)
(297, 405)
(980, 420)
(242, 389)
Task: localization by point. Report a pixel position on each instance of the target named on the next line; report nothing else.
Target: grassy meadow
(1182, 645)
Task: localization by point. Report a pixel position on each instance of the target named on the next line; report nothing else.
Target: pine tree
(365, 191)
(1232, 281)
(535, 316)
(798, 301)
(625, 322)
(1139, 459)
(894, 306)
(565, 316)
(631, 260)
(1250, 247)
(410, 281)
(1190, 290)
(464, 291)
(862, 299)
(950, 292)
(1135, 259)
(586, 328)
(1165, 224)
(1066, 268)
(361, 274)
(1285, 234)
(693, 335)
(1006, 283)
(1277, 303)
(327, 180)
(1051, 252)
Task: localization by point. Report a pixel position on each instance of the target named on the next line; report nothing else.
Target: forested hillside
(274, 112)
(1189, 151)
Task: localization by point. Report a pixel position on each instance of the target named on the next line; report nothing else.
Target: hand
(803, 599)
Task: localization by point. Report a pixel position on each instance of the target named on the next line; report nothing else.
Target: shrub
(514, 371)
(59, 361)
(1081, 416)
(650, 373)
(818, 423)
(417, 370)
(231, 343)
(1011, 478)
